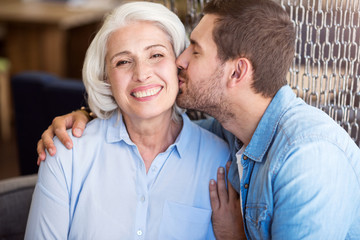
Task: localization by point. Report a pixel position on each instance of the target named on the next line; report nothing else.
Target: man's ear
(240, 71)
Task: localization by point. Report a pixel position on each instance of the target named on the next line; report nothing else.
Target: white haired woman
(141, 169)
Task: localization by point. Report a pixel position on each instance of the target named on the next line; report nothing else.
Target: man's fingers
(214, 197)
(59, 125)
(41, 152)
(58, 128)
(233, 194)
(222, 191)
(80, 121)
(47, 141)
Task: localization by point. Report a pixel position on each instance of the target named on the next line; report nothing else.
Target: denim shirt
(301, 176)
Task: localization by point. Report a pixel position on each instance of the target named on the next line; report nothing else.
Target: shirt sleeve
(49, 211)
(314, 193)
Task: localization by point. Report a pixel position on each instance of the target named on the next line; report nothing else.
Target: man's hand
(226, 217)
(77, 120)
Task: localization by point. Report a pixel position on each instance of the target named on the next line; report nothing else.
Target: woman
(141, 169)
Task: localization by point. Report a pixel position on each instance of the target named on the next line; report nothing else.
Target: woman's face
(140, 63)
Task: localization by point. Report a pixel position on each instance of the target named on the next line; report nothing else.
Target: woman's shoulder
(205, 138)
(94, 127)
(203, 147)
(91, 135)
(84, 150)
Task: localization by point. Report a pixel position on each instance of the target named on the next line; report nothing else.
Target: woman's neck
(152, 136)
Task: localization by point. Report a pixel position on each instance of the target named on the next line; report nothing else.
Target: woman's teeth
(146, 93)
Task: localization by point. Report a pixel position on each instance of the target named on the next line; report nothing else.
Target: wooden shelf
(50, 37)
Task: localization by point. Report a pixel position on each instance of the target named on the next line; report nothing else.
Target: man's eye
(195, 53)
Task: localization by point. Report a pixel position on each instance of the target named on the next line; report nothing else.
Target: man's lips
(181, 81)
(182, 76)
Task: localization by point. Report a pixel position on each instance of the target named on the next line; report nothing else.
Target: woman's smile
(144, 94)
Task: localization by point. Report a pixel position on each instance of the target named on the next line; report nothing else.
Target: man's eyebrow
(195, 43)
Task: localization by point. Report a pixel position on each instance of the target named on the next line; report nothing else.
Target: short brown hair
(259, 30)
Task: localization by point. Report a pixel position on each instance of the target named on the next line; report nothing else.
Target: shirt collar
(116, 132)
(116, 129)
(184, 137)
(266, 129)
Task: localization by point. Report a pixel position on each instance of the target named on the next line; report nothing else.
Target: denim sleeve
(314, 193)
(49, 212)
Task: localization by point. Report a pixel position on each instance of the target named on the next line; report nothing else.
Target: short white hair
(100, 98)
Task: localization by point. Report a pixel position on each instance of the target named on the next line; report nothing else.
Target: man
(299, 171)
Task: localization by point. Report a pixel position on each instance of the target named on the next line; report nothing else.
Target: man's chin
(180, 100)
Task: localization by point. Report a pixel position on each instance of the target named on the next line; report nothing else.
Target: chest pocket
(184, 222)
(258, 220)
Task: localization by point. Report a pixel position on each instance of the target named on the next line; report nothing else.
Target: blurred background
(41, 44)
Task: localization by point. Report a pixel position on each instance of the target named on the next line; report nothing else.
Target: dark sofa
(38, 98)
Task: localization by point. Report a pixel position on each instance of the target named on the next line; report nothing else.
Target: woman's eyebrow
(154, 46)
(118, 54)
(128, 52)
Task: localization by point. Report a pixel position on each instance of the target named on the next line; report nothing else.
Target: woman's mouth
(146, 92)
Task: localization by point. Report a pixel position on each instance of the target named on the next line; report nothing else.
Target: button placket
(245, 164)
(142, 204)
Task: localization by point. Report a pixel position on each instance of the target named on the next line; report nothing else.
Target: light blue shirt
(301, 174)
(100, 189)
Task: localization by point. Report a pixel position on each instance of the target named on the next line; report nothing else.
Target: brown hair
(259, 30)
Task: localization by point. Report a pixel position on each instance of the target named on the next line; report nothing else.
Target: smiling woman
(142, 169)
(141, 72)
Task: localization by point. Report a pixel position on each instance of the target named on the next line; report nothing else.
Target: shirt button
(142, 199)
(246, 186)
(245, 157)
(139, 232)
(154, 169)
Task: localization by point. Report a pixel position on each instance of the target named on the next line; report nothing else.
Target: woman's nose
(143, 71)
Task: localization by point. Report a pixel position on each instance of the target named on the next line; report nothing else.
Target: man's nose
(182, 60)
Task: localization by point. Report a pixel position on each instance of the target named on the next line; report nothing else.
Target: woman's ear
(239, 71)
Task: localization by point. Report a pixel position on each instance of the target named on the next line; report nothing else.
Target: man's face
(201, 71)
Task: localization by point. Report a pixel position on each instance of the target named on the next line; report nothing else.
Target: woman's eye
(119, 63)
(156, 55)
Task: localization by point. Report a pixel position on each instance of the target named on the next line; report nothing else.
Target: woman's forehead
(139, 35)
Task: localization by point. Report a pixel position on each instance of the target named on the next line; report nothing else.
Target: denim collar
(265, 131)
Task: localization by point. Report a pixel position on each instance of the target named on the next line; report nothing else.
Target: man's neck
(246, 117)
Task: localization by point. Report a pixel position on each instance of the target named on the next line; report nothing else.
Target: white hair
(100, 98)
